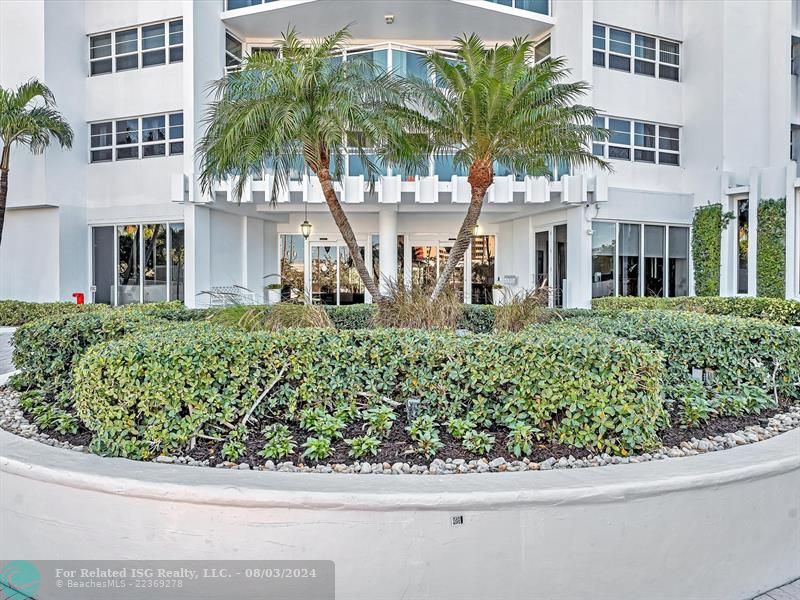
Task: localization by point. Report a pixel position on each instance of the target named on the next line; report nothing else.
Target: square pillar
(578, 293)
(387, 233)
(197, 223)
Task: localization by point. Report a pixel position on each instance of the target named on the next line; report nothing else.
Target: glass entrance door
(428, 260)
(334, 278)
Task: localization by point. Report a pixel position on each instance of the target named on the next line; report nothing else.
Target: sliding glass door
(334, 278)
(137, 262)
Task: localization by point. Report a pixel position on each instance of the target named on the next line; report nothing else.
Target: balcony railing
(538, 6)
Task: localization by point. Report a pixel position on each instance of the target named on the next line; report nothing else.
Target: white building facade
(701, 99)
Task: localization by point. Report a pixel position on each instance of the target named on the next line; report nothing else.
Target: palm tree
(493, 106)
(301, 108)
(28, 117)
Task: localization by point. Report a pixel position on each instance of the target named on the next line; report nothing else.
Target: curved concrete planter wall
(723, 525)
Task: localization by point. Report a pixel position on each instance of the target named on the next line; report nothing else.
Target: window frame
(602, 53)
(169, 49)
(604, 122)
(667, 228)
(140, 144)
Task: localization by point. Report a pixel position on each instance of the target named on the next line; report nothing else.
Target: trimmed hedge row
(786, 312)
(46, 349)
(477, 318)
(152, 392)
(739, 365)
(14, 313)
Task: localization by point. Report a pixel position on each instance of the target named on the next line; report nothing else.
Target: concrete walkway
(790, 591)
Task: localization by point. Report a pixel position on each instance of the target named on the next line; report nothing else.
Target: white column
(387, 232)
(579, 260)
(197, 221)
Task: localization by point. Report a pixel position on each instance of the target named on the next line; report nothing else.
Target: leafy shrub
(14, 313)
(361, 446)
(479, 442)
(777, 310)
(155, 391)
(379, 420)
(771, 255)
(520, 438)
(356, 316)
(458, 427)
(732, 354)
(317, 448)
(477, 318)
(278, 441)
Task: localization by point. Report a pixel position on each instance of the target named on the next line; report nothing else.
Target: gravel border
(13, 421)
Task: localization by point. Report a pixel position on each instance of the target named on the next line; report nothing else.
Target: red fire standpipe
(79, 298)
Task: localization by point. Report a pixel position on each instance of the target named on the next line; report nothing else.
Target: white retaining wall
(718, 526)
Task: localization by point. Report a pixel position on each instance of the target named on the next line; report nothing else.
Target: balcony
(431, 20)
(443, 178)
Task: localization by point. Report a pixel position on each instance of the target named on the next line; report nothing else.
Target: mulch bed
(397, 447)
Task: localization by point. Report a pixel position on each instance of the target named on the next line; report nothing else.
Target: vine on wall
(707, 228)
(771, 258)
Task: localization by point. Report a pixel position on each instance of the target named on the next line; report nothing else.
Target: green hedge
(771, 258)
(745, 361)
(707, 228)
(786, 312)
(46, 349)
(149, 393)
(14, 313)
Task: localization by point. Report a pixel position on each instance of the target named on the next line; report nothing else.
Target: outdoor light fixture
(305, 226)
(476, 229)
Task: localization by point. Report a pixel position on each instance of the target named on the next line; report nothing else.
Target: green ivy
(771, 271)
(707, 226)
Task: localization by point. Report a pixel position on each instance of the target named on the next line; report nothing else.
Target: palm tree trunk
(4, 165)
(480, 178)
(340, 218)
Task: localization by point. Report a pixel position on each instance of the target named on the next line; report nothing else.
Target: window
(742, 245)
(622, 50)
(101, 141)
(136, 137)
(126, 256)
(604, 242)
(176, 133)
(645, 52)
(100, 60)
(636, 140)
(292, 266)
(619, 50)
(126, 50)
(233, 53)
(669, 60)
(482, 267)
(649, 259)
(160, 43)
(541, 51)
(629, 259)
(154, 136)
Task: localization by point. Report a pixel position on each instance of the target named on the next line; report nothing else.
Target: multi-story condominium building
(701, 99)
